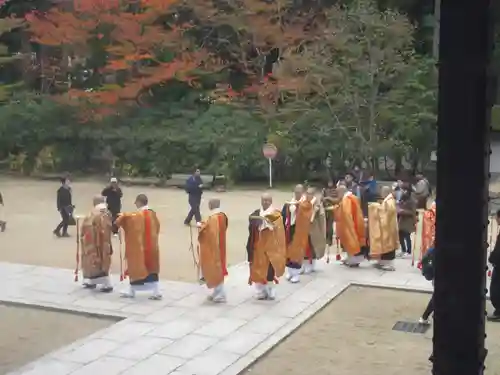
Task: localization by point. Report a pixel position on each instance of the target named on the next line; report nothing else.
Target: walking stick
(77, 248)
(338, 256)
(122, 276)
(191, 250)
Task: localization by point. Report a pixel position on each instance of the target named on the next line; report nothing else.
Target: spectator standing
(194, 189)
(422, 191)
(428, 273)
(65, 207)
(351, 184)
(407, 219)
(113, 194)
(494, 259)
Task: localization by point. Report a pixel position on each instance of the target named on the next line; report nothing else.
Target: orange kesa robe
(298, 238)
(383, 227)
(142, 254)
(212, 239)
(350, 224)
(266, 247)
(429, 229)
(95, 241)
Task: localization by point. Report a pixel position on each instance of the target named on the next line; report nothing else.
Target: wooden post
(462, 208)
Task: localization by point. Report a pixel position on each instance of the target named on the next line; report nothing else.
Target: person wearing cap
(113, 195)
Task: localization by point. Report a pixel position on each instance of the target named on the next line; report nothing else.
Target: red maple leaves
(132, 36)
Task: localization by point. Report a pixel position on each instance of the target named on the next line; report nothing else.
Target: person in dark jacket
(65, 207)
(428, 273)
(194, 188)
(113, 195)
(494, 259)
(407, 219)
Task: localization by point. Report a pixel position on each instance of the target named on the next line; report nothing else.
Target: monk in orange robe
(316, 245)
(142, 229)
(297, 221)
(350, 226)
(383, 230)
(429, 229)
(212, 240)
(95, 241)
(266, 248)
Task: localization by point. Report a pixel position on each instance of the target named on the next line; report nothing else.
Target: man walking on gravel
(65, 208)
(113, 195)
(194, 188)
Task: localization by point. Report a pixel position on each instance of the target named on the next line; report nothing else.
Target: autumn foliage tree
(112, 51)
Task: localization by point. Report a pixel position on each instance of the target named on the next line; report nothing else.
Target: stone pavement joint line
(183, 334)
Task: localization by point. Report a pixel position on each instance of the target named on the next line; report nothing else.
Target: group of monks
(288, 240)
(141, 231)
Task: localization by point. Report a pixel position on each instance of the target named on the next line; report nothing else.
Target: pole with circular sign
(270, 151)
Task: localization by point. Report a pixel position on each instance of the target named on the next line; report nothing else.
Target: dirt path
(353, 336)
(31, 215)
(29, 333)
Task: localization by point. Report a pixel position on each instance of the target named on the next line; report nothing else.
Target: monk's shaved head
(298, 191)
(141, 200)
(266, 200)
(98, 199)
(214, 203)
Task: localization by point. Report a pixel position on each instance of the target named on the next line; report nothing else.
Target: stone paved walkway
(184, 334)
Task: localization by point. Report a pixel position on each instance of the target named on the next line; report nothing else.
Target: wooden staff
(77, 248)
(120, 250)
(191, 250)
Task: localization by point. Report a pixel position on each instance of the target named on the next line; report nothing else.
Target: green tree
(352, 85)
(7, 59)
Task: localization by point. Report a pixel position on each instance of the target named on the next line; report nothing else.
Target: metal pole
(270, 172)
(461, 236)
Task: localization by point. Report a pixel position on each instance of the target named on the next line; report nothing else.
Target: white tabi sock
(386, 265)
(106, 282)
(294, 275)
(261, 291)
(130, 293)
(354, 259)
(219, 294)
(271, 291)
(87, 282)
(155, 288)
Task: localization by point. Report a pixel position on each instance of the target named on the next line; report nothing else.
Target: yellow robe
(383, 226)
(317, 233)
(350, 224)
(212, 239)
(267, 247)
(299, 241)
(95, 241)
(142, 254)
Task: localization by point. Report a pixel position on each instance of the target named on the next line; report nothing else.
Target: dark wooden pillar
(462, 187)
